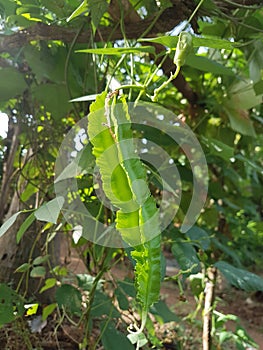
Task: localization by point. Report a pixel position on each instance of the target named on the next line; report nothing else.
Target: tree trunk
(13, 255)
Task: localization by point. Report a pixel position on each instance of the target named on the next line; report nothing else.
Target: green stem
(114, 70)
(104, 328)
(148, 80)
(194, 12)
(132, 75)
(143, 323)
(172, 77)
(27, 273)
(104, 268)
(156, 17)
(131, 86)
(97, 222)
(66, 68)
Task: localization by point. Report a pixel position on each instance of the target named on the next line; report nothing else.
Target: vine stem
(194, 12)
(66, 68)
(143, 323)
(172, 77)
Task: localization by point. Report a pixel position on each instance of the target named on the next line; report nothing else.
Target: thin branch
(168, 67)
(209, 300)
(134, 25)
(45, 32)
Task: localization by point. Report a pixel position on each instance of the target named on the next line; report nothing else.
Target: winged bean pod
(183, 48)
(125, 184)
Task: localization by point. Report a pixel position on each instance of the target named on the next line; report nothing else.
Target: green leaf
(28, 192)
(137, 338)
(48, 311)
(54, 97)
(85, 98)
(97, 10)
(186, 257)
(38, 272)
(122, 299)
(102, 305)
(196, 284)
(28, 8)
(70, 171)
(85, 282)
(12, 83)
(20, 21)
(258, 88)
(28, 222)
(250, 163)
(119, 50)
(82, 9)
(70, 298)
(226, 250)
(205, 64)
(23, 268)
(58, 7)
(61, 271)
(244, 340)
(166, 40)
(11, 304)
(40, 260)
(49, 212)
(128, 287)
(241, 97)
(213, 43)
(240, 278)
(161, 309)
(255, 60)
(49, 283)
(218, 28)
(113, 339)
(199, 237)
(171, 42)
(242, 94)
(8, 7)
(218, 148)
(239, 120)
(8, 223)
(82, 164)
(45, 63)
(224, 336)
(31, 309)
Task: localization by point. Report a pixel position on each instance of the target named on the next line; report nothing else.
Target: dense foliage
(56, 58)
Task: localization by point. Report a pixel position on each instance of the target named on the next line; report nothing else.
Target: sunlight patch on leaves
(118, 50)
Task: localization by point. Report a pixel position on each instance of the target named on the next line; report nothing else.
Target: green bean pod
(183, 48)
(125, 184)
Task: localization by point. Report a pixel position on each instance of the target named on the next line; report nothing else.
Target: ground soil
(248, 307)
